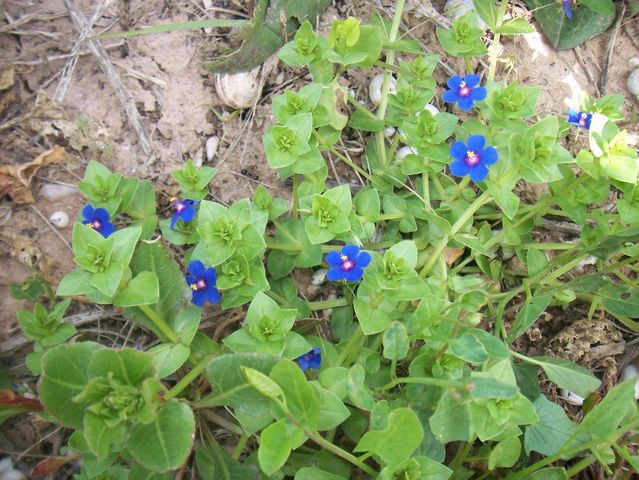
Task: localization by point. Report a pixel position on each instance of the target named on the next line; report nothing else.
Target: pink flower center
(179, 207)
(472, 158)
(347, 263)
(201, 284)
(96, 224)
(464, 90)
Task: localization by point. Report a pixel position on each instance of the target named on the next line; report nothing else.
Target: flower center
(472, 158)
(583, 119)
(464, 90)
(96, 224)
(347, 263)
(200, 284)
(179, 207)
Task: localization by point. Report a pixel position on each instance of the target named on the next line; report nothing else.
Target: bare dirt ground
(179, 109)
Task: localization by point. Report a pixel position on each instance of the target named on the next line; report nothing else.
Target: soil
(176, 100)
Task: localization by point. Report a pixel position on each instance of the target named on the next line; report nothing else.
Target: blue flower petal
(458, 150)
(454, 82)
(190, 279)
(466, 103)
(354, 275)
(212, 295)
(478, 93)
(459, 168)
(472, 80)
(478, 173)
(107, 229)
(196, 268)
(88, 213)
(489, 155)
(174, 219)
(199, 297)
(302, 362)
(187, 214)
(335, 274)
(476, 143)
(101, 215)
(210, 276)
(567, 4)
(350, 251)
(363, 259)
(573, 116)
(333, 259)
(451, 96)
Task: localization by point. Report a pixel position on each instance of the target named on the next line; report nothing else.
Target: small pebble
(212, 144)
(631, 372)
(198, 158)
(375, 88)
(60, 219)
(431, 108)
(13, 475)
(54, 192)
(389, 132)
(633, 62)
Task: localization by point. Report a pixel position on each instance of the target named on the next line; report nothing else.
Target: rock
(212, 144)
(54, 192)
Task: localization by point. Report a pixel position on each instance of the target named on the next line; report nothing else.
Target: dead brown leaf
(452, 254)
(15, 180)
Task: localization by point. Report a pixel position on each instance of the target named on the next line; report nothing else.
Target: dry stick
(67, 71)
(26, 19)
(63, 56)
(79, 21)
(611, 47)
(586, 68)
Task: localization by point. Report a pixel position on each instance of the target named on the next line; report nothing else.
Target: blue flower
(312, 360)
(472, 158)
(202, 282)
(465, 91)
(98, 220)
(347, 265)
(581, 119)
(567, 4)
(183, 210)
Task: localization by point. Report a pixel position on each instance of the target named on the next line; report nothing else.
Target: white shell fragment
(633, 83)
(389, 132)
(375, 88)
(54, 192)
(319, 276)
(404, 151)
(431, 108)
(238, 90)
(633, 62)
(571, 397)
(60, 219)
(212, 144)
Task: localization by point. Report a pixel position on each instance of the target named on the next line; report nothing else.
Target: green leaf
(169, 357)
(397, 442)
(75, 282)
(64, 375)
(529, 313)
(515, 26)
(226, 377)
(396, 342)
(611, 411)
(505, 454)
(301, 398)
(564, 33)
(143, 289)
(332, 410)
(142, 208)
(553, 473)
(213, 463)
(128, 366)
(488, 12)
(262, 383)
(276, 442)
(568, 375)
(602, 7)
(312, 473)
(620, 300)
(450, 422)
(551, 432)
(165, 443)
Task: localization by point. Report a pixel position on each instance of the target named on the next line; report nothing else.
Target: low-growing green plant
(418, 378)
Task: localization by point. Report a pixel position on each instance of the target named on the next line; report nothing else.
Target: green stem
(461, 221)
(239, 448)
(460, 456)
(212, 400)
(159, 323)
(581, 465)
(188, 378)
(353, 343)
(460, 189)
(494, 50)
(350, 163)
(390, 59)
(469, 67)
(331, 447)
(436, 382)
(426, 191)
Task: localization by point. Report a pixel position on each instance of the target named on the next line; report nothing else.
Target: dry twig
(611, 47)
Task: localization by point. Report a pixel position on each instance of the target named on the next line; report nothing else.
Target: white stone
(633, 62)
(319, 276)
(432, 109)
(60, 219)
(405, 151)
(389, 132)
(54, 192)
(633, 83)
